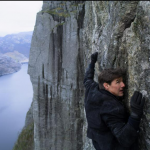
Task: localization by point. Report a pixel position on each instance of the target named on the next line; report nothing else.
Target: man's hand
(137, 104)
(94, 57)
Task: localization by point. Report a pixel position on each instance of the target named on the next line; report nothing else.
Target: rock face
(66, 33)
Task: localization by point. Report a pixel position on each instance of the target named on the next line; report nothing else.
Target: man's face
(116, 87)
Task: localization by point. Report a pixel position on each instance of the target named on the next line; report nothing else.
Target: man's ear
(106, 85)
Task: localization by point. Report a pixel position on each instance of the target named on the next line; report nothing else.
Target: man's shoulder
(109, 96)
(111, 105)
(98, 93)
(95, 96)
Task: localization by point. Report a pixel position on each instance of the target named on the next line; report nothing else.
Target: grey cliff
(66, 33)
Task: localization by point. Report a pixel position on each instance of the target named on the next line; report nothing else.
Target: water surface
(15, 99)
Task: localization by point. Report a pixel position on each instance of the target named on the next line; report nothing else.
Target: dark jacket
(108, 121)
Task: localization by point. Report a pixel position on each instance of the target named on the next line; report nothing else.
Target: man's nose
(122, 84)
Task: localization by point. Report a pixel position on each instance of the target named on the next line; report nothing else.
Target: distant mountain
(14, 50)
(8, 65)
(16, 42)
(17, 57)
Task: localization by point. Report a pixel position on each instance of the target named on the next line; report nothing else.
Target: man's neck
(112, 95)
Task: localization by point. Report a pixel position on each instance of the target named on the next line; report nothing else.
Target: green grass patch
(60, 14)
(60, 24)
(57, 11)
(25, 139)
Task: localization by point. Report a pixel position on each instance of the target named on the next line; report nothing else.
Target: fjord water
(15, 99)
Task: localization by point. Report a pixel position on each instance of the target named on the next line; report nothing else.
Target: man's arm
(89, 75)
(125, 133)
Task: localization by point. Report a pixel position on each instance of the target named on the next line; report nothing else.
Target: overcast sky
(18, 16)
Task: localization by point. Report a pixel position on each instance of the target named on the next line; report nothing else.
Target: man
(109, 125)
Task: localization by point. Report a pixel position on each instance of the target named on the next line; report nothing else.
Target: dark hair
(108, 75)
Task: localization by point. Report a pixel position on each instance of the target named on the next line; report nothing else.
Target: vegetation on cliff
(25, 140)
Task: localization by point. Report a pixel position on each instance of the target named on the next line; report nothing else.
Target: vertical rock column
(120, 31)
(137, 44)
(56, 72)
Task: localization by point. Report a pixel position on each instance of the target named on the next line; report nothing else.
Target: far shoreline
(22, 63)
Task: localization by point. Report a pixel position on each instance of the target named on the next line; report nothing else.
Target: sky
(18, 16)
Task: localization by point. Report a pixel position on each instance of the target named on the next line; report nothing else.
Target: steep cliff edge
(65, 35)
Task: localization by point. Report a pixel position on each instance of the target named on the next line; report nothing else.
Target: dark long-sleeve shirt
(108, 121)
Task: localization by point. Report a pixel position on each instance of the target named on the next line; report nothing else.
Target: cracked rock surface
(65, 35)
